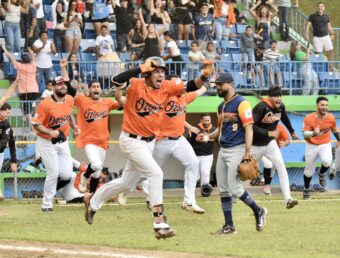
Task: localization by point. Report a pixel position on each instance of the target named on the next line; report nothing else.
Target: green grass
(310, 230)
(332, 9)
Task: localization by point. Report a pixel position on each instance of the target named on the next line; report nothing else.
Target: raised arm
(253, 10)
(9, 91)
(308, 25)
(144, 29)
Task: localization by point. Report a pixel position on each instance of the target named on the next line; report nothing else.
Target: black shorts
(183, 17)
(101, 20)
(28, 100)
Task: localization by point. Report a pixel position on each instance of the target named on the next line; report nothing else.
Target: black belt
(172, 138)
(143, 138)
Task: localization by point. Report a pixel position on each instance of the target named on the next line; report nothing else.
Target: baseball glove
(60, 139)
(248, 169)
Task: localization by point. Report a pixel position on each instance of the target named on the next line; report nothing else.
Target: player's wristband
(337, 136)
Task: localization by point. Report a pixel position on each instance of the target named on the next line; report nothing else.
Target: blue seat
(330, 81)
(124, 56)
(90, 33)
(226, 62)
(89, 66)
(293, 81)
(231, 46)
(284, 63)
(56, 62)
(240, 28)
(237, 60)
(240, 80)
(319, 64)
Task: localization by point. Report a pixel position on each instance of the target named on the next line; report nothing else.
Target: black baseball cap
(224, 78)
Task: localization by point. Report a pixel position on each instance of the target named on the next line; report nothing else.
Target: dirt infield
(22, 249)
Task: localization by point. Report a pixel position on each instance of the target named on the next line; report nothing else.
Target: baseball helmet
(206, 190)
(160, 62)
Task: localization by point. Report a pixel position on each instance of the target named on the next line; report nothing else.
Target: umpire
(235, 135)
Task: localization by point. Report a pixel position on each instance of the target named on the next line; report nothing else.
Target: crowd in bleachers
(184, 32)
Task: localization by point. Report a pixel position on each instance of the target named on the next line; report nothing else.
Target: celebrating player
(52, 123)
(317, 128)
(267, 115)
(141, 124)
(235, 134)
(269, 169)
(335, 167)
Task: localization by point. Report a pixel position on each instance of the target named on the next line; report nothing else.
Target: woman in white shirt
(11, 10)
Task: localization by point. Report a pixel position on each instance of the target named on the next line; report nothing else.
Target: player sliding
(141, 124)
(317, 128)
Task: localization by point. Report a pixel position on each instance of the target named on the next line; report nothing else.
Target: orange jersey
(143, 108)
(326, 125)
(54, 115)
(283, 134)
(93, 119)
(174, 115)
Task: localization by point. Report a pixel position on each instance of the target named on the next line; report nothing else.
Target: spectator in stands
(310, 77)
(196, 56)
(136, 41)
(159, 16)
(272, 56)
(28, 22)
(174, 54)
(183, 18)
(263, 19)
(41, 21)
(224, 18)
(104, 43)
(284, 8)
(242, 20)
(124, 20)
(27, 85)
(203, 28)
(11, 10)
(102, 17)
(323, 32)
(73, 67)
(59, 27)
(258, 69)
(73, 22)
(43, 49)
(48, 91)
(153, 45)
(210, 52)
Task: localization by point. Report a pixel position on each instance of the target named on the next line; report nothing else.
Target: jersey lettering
(57, 122)
(144, 108)
(270, 118)
(91, 115)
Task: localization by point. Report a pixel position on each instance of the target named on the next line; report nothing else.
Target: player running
(267, 115)
(317, 128)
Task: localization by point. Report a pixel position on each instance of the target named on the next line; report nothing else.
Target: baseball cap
(275, 92)
(59, 79)
(224, 77)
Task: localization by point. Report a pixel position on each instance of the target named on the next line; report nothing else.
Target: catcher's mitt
(248, 169)
(60, 139)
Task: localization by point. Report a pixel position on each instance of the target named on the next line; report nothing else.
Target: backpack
(100, 11)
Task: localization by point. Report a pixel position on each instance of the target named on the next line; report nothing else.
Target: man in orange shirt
(142, 120)
(317, 128)
(269, 169)
(52, 123)
(93, 113)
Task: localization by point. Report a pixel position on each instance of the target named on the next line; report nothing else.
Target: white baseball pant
(324, 151)
(182, 151)
(140, 162)
(204, 164)
(58, 163)
(336, 164)
(96, 157)
(273, 153)
(69, 192)
(268, 164)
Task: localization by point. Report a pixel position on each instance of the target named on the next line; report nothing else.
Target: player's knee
(326, 163)
(96, 166)
(96, 174)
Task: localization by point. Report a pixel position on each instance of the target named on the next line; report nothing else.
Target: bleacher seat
(292, 80)
(319, 63)
(226, 62)
(183, 46)
(56, 62)
(89, 66)
(237, 62)
(86, 43)
(240, 80)
(330, 81)
(90, 33)
(240, 28)
(230, 46)
(284, 63)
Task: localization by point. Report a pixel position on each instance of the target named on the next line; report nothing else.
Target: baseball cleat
(83, 184)
(47, 210)
(225, 230)
(89, 214)
(331, 173)
(322, 180)
(291, 203)
(122, 199)
(163, 230)
(260, 218)
(306, 194)
(192, 207)
(266, 190)
(148, 205)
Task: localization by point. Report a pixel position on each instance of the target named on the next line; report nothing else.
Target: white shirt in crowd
(105, 44)
(46, 93)
(175, 49)
(44, 58)
(195, 56)
(40, 9)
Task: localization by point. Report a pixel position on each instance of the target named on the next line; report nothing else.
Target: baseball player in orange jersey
(317, 129)
(141, 124)
(93, 114)
(335, 167)
(269, 169)
(52, 123)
